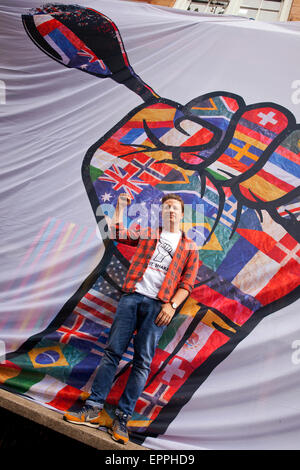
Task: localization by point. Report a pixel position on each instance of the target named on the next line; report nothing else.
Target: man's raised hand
(123, 200)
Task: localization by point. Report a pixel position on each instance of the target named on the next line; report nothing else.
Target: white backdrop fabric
(50, 116)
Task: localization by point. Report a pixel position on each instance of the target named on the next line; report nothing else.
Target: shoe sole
(82, 423)
(120, 441)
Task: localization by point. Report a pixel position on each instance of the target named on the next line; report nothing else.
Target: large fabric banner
(111, 97)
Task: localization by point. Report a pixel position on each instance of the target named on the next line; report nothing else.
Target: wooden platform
(53, 420)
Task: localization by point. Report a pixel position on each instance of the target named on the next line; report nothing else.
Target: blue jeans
(135, 312)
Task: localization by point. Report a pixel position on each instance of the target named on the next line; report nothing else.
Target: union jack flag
(122, 180)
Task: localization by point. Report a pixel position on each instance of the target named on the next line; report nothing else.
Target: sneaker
(118, 431)
(88, 416)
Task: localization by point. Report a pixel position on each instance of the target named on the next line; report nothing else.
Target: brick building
(261, 10)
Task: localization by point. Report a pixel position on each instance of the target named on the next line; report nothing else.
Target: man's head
(172, 211)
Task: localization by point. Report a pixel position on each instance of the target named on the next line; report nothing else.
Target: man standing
(161, 275)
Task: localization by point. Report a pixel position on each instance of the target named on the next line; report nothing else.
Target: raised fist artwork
(235, 165)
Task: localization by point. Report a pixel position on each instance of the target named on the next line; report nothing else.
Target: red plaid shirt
(183, 267)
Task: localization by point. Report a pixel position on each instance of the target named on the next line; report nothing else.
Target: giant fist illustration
(236, 166)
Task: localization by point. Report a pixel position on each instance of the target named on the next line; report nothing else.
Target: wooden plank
(53, 420)
(295, 11)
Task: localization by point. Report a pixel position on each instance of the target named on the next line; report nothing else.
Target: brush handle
(85, 39)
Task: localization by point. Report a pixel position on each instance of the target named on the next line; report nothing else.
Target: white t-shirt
(157, 268)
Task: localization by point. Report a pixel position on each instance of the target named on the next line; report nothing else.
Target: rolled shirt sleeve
(123, 235)
(190, 271)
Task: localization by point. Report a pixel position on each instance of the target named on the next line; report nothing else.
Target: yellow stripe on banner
(157, 155)
(190, 307)
(213, 244)
(210, 317)
(162, 155)
(262, 188)
(243, 152)
(250, 140)
(154, 115)
(139, 424)
(8, 373)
